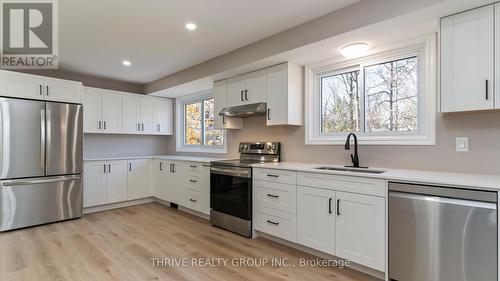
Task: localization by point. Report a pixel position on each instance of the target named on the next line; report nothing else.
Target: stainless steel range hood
(243, 111)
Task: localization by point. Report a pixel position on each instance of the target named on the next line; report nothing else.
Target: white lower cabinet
(360, 229)
(104, 182)
(137, 179)
(340, 215)
(316, 218)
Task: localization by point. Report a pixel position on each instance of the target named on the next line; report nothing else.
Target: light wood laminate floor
(119, 245)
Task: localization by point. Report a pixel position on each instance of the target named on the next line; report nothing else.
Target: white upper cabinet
(131, 108)
(163, 115)
(279, 86)
(284, 95)
(112, 105)
(14, 84)
(247, 89)
(92, 110)
(146, 115)
(467, 61)
(220, 99)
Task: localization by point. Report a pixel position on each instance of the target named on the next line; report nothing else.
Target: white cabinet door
(92, 109)
(284, 95)
(138, 176)
(220, 99)
(62, 90)
(163, 116)
(255, 87)
(147, 115)
(112, 105)
(116, 181)
(360, 235)
(497, 56)
(177, 177)
(316, 218)
(21, 85)
(467, 61)
(131, 114)
(236, 91)
(94, 187)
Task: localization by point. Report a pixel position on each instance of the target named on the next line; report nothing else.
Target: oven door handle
(240, 173)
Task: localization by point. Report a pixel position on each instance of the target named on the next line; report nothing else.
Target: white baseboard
(370, 271)
(118, 205)
(139, 202)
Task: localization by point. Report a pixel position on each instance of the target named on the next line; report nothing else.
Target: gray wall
(483, 130)
(96, 146)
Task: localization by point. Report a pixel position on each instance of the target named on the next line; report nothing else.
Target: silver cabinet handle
(47, 90)
(193, 181)
(338, 207)
(193, 200)
(104, 127)
(41, 90)
(241, 95)
(138, 126)
(207, 165)
(330, 205)
(268, 114)
(273, 175)
(161, 168)
(40, 181)
(273, 222)
(142, 125)
(99, 125)
(246, 94)
(193, 166)
(109, 168)
(130, 167)
(272, 195)
(104, 165)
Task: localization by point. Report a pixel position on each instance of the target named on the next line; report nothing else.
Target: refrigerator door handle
(42, 138)
(40, 180)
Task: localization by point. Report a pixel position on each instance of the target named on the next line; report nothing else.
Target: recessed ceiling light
(126, 63)
(355, 50)
(190, 26)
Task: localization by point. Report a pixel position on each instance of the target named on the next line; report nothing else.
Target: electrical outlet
(462, 144)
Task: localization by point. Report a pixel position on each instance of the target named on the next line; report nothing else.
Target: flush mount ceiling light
(190, 26)
(355, 50)
(126, 63)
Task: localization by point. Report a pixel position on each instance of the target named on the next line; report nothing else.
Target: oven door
(231, 191)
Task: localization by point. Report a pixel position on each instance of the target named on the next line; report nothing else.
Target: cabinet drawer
(343, 183)
(193, 183)
(277, 223)
(277, 196)
(197, 168)
(278, 176)
(193, 200)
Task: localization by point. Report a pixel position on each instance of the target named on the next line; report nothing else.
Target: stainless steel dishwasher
(442, 233)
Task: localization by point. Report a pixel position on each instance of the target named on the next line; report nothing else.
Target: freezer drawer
(441, 234)
(22, 138)
(28, 202)
(64, 143)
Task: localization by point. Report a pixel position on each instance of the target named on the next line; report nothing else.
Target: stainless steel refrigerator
(41, 161)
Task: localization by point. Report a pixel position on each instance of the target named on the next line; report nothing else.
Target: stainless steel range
(231, 186)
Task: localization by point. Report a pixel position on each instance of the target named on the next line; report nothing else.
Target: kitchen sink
(353, 170)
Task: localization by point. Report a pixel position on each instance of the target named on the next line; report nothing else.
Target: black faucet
(354, 158)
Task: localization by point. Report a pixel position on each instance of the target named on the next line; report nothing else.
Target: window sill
(374, 140)
(221, 150)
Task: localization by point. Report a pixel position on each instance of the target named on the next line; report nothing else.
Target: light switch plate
(462, 144)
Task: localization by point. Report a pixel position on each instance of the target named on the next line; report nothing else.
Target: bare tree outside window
(340, 103)
(391, 96)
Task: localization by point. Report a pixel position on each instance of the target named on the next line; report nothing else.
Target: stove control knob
(245, 146)
(269, 147)
(273, 146)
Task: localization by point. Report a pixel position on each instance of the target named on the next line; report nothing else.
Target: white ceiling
(95, 35)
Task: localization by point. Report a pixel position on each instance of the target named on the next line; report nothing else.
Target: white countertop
(462, 180)
(166, 157)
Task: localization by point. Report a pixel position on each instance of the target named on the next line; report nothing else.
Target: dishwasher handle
(443, 200)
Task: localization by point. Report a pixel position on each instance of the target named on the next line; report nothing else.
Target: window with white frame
(385, 99)
(196, 125)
